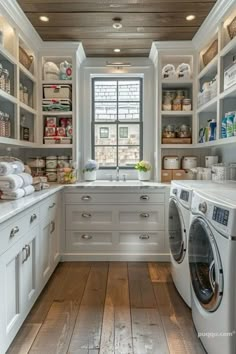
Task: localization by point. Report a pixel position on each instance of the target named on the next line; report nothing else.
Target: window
(117, 122)
(104, 133)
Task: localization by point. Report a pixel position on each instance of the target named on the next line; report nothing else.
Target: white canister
(51, 162)
(144, 176)
(189, 162)
(206, 174)
(90, 175)
(171, 163)
(211, 160)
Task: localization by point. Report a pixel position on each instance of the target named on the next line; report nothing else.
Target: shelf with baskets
(57, 105)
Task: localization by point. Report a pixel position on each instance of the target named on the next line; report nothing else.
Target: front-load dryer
(212, 264)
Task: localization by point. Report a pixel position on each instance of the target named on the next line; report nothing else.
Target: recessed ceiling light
(117, 23)
(117, 50)
(190, 17)
(44, 18)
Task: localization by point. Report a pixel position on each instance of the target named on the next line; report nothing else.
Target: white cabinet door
(55, 242)
(45, 250)
(29, 270)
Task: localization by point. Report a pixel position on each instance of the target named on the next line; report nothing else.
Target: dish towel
(18, 193)
(11, 182)
(27, 179)
(8, 168)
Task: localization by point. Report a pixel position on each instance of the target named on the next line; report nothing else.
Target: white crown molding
(81, 53)
(15, 15)
(171, 46)
(211, 23)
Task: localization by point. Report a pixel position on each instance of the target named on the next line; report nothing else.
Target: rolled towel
(17, 194)
(11, 182)
(28, 190)
(18, 167)
(6, 169)
(27, 179)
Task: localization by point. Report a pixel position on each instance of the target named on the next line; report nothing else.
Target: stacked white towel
(14, 183)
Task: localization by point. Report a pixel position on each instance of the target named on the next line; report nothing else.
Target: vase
(90, 175)
(144, 176)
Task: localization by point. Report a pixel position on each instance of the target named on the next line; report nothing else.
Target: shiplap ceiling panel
(90, 21)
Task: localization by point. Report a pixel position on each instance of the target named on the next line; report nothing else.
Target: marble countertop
(10, 208)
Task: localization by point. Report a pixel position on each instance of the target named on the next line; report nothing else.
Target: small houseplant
(90, 169)
(144, 170)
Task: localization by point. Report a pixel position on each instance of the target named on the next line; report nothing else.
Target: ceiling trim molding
(211, 23)
(15, 15)
(169, 45)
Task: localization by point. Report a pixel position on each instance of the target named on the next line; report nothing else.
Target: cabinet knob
(14, 231)
(86, 237)
(86, 197)
(144, 237)
(51, 206)
(144, 197)
(86, 215)
(32, 218)
(144, 215)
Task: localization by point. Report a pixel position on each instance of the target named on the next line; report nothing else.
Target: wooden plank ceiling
(90, 21)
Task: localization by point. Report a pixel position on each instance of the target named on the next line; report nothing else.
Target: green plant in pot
(144, 170)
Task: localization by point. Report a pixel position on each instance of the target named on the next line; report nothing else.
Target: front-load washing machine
(212, 264)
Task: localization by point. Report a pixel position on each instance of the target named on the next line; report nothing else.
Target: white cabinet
(49, 236)
(102, 224)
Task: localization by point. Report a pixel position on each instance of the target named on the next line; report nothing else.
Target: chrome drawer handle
(86, 215)
(14, 231)
(144, 215)
(144, 197)
(52, 227)
(144, 237)
(51, 206)
(86, 237)
(24, 249)
(27, 247)
(86, 197)
(32, 218)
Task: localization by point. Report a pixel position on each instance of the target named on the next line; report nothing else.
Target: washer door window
(205, 265)
(177, 234)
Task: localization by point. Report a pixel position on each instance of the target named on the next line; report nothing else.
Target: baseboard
(81, 257)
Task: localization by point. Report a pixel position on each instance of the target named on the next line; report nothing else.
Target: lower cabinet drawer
(141, 218)
(139, 242)
(89, 241)
(48, 208)
(91, 217)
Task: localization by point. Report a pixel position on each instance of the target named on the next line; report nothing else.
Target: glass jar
(177, 106)
(25, 95)
(187, 104)
(167, 102)
(168, 131)
(51, 175)
(36, 162)
(180, 94)
(7, 81)
(21, 93)
(2, 124)
(2, 78)
(7, 125)
(51, 162)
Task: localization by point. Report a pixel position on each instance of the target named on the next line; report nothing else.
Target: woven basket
(25, 59)
(210, 53)
(232, 28)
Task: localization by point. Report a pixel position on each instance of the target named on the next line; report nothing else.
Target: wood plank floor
(108, 308)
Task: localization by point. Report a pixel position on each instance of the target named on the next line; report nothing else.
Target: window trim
(117, 122)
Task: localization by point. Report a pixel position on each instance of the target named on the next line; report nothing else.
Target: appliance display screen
(184, 195)
(221, 216)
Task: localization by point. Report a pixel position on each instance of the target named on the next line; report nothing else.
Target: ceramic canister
(171, 163)
(189, 162)
(211, 160)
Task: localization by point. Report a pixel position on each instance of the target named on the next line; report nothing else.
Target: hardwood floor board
(160, 272)
(56, 331)
(177, 322)
(45, 300)
(87, 332)
(148, 333)
(24, 339)
(140, 286)
(116, 330)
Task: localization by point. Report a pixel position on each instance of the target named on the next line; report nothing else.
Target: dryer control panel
(220, 215)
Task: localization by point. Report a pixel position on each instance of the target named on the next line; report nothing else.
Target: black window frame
(117, 122)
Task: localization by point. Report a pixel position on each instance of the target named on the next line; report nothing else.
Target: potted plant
(90, 170)
(144, 170)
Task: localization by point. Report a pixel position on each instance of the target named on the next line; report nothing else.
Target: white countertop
(10, 208)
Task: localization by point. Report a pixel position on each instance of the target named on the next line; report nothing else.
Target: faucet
(117, 173)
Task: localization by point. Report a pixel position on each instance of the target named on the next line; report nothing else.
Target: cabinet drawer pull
(27, 247)
(144, 237)
(144, 215)
(14, 231)
(52, 227)
(144, 197)
(86, 215)
(86, 237)
(32, 218)
(51, 206)
(86, 197)
(26, 254)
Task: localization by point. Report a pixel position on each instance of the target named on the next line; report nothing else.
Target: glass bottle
(7, 125)
(24, 130)
(2, 124)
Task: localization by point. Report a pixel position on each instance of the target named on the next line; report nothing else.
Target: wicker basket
(210, 53)
(25, 59)
(232, 28)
